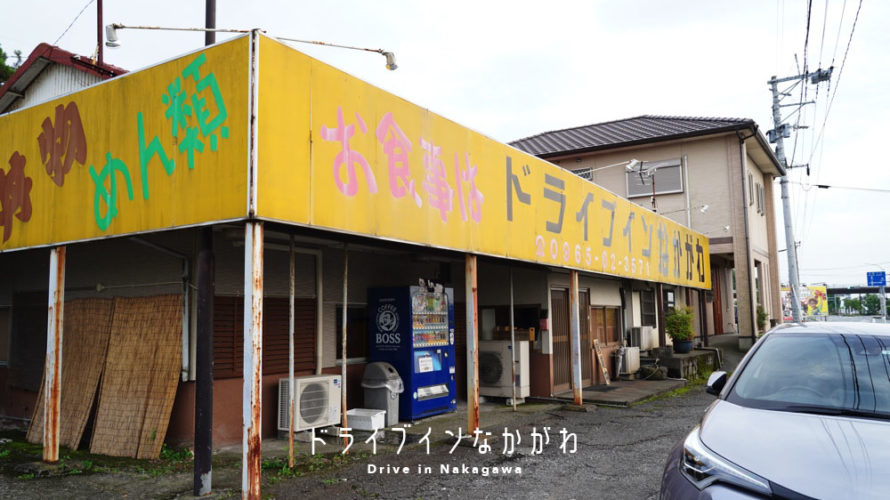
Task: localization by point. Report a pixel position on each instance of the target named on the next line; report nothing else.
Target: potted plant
(762, 316)
(678, 324)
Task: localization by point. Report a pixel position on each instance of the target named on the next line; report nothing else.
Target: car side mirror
(716, 382)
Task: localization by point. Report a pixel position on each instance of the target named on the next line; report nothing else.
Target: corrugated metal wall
(55, 81)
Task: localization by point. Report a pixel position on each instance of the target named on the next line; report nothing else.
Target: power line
(90, 2)
(822, 43)
(853, 188)
(841, 268)
(838, 81)
(837, 41)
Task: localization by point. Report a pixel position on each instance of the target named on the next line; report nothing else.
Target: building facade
(712, 174)
(246, 177)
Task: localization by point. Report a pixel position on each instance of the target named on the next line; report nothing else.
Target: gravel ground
(620, 454)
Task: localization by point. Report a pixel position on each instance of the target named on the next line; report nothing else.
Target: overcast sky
(518, 68)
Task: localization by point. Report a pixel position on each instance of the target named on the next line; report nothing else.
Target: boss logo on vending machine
(387, 324)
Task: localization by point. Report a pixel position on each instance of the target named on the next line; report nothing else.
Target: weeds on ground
(680, 391)
(276, 469)
(24, 460)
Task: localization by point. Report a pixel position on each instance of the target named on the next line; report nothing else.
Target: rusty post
(512, 340)
(290, 357)
(52, 370)
(252, 400)
(343, 417)
(575, 307)
(472, 346)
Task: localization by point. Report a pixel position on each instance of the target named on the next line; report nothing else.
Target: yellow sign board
(337, 153)
(160, 148)
(168, 147)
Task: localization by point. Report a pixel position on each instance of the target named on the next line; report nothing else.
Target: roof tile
(627, 131)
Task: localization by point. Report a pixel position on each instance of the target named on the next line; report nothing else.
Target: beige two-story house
(714, 175)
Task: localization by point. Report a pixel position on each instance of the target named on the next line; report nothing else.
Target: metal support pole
(290, 356)
(252, 396)
(575, 308)
(52, 370)
(203, 467)
(659, 301)
(883, 305)
(472, 346)
(210, 22)
(203, 464)
(100, 57)
(512, 340)
(319, 311)
(344, 420)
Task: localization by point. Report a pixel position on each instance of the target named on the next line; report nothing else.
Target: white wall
(603, 292)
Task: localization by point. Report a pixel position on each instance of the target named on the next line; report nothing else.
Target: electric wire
(90, 2)
(800, 213)
(840, 25)
(852, 188)
(839, 74)
(822, 43)
(843, 268)
(818, 144)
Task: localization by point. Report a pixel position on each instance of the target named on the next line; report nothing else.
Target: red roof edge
(62, 56)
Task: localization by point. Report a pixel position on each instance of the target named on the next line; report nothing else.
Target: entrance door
(562, 348)
(718, 303)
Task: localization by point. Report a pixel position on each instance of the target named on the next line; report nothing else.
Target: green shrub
(762, 316)
(678, 324)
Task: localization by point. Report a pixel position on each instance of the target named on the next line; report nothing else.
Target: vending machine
(412, 328)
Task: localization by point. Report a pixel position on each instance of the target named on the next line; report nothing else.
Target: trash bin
(383, 385)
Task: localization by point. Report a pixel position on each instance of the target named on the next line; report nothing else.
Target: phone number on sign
(578, 255)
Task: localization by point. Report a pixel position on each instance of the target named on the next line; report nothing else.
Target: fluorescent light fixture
(111, 36)
(390, 61)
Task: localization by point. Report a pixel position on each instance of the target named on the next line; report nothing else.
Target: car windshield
(813, 373)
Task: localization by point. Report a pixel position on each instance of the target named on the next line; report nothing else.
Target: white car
(806, 415)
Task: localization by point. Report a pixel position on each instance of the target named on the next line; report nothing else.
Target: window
(584, 173)
(750, 189)
(356, 332)
(814, 372)
(669, 302)
(228, 336)
(761, 199)
(605, 324)
(647, 306)
(666, 176)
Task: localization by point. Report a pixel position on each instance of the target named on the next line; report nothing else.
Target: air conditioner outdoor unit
(495, 372)
(317, 402)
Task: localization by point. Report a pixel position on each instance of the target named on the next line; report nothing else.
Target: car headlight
(704, 467)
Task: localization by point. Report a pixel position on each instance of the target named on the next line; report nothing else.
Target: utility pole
(777, 135)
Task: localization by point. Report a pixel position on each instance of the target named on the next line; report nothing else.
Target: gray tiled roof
(629, 131)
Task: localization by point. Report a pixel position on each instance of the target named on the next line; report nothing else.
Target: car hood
(815, 455)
